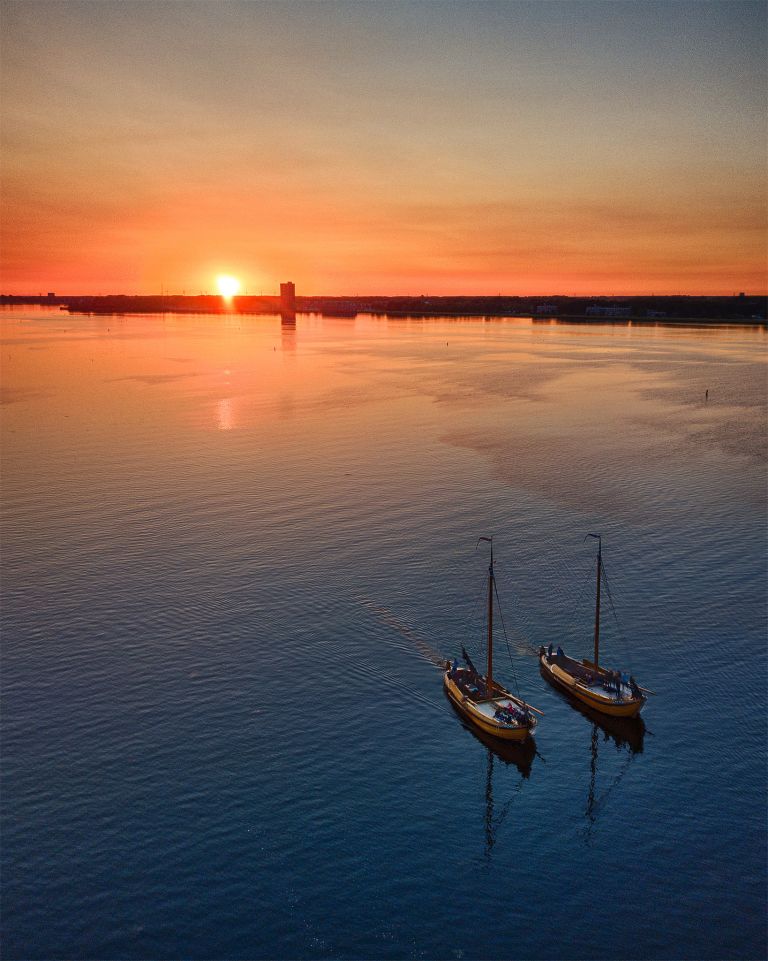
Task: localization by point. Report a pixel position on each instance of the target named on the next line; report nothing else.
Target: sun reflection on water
(225, 414)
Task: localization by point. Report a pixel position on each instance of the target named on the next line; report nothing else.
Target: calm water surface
(234, 549)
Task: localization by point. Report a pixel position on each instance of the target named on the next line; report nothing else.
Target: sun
(228, 285)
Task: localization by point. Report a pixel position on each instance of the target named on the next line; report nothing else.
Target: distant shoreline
(741, 310)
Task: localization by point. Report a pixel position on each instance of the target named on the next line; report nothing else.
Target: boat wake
(422, 646)
(365, 670)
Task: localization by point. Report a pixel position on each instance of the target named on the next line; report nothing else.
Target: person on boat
(454, 668)
(560, 653)
(549, 654)
(634, 688)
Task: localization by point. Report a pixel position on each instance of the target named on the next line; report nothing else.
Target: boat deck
(596, 687)
(516, 725)
(489, 708)
(584, 678)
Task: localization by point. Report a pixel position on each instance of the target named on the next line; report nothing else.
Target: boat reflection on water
(518, 754)
(627, 734)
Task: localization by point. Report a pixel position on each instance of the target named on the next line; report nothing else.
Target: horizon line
(419, 296)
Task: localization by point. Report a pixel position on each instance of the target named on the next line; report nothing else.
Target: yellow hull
(488, 725)
(518, 753)
(629, 707)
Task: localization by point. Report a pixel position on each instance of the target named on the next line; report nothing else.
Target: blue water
(233, 551)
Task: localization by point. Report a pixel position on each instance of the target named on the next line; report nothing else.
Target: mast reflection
(490, 830)
(591, 814)
(492, 821)
(628, 735)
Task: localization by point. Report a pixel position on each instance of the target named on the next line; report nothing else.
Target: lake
(235, 551)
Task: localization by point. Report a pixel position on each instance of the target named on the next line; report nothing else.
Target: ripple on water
(222, 714)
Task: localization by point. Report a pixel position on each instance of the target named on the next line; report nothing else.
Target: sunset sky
(596, 147)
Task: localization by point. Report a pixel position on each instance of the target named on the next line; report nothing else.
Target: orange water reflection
(548, 406)
(225, 415)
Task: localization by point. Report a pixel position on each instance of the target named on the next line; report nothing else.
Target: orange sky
(384, 148)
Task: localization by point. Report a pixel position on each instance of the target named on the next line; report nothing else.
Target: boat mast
(489, 674)
(489, 679)
(597, 597)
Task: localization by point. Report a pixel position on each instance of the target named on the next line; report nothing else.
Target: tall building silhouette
(288, 298)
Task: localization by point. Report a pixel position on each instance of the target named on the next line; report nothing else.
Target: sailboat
(481, 700)
(608, 692)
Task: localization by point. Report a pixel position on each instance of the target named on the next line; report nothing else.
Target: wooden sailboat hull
(603, 703)
(518, 753)
(474, 713)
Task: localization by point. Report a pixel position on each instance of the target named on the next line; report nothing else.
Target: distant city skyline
(579, 148)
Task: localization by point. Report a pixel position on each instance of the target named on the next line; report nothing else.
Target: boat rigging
(608, 692)
(481, 699)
